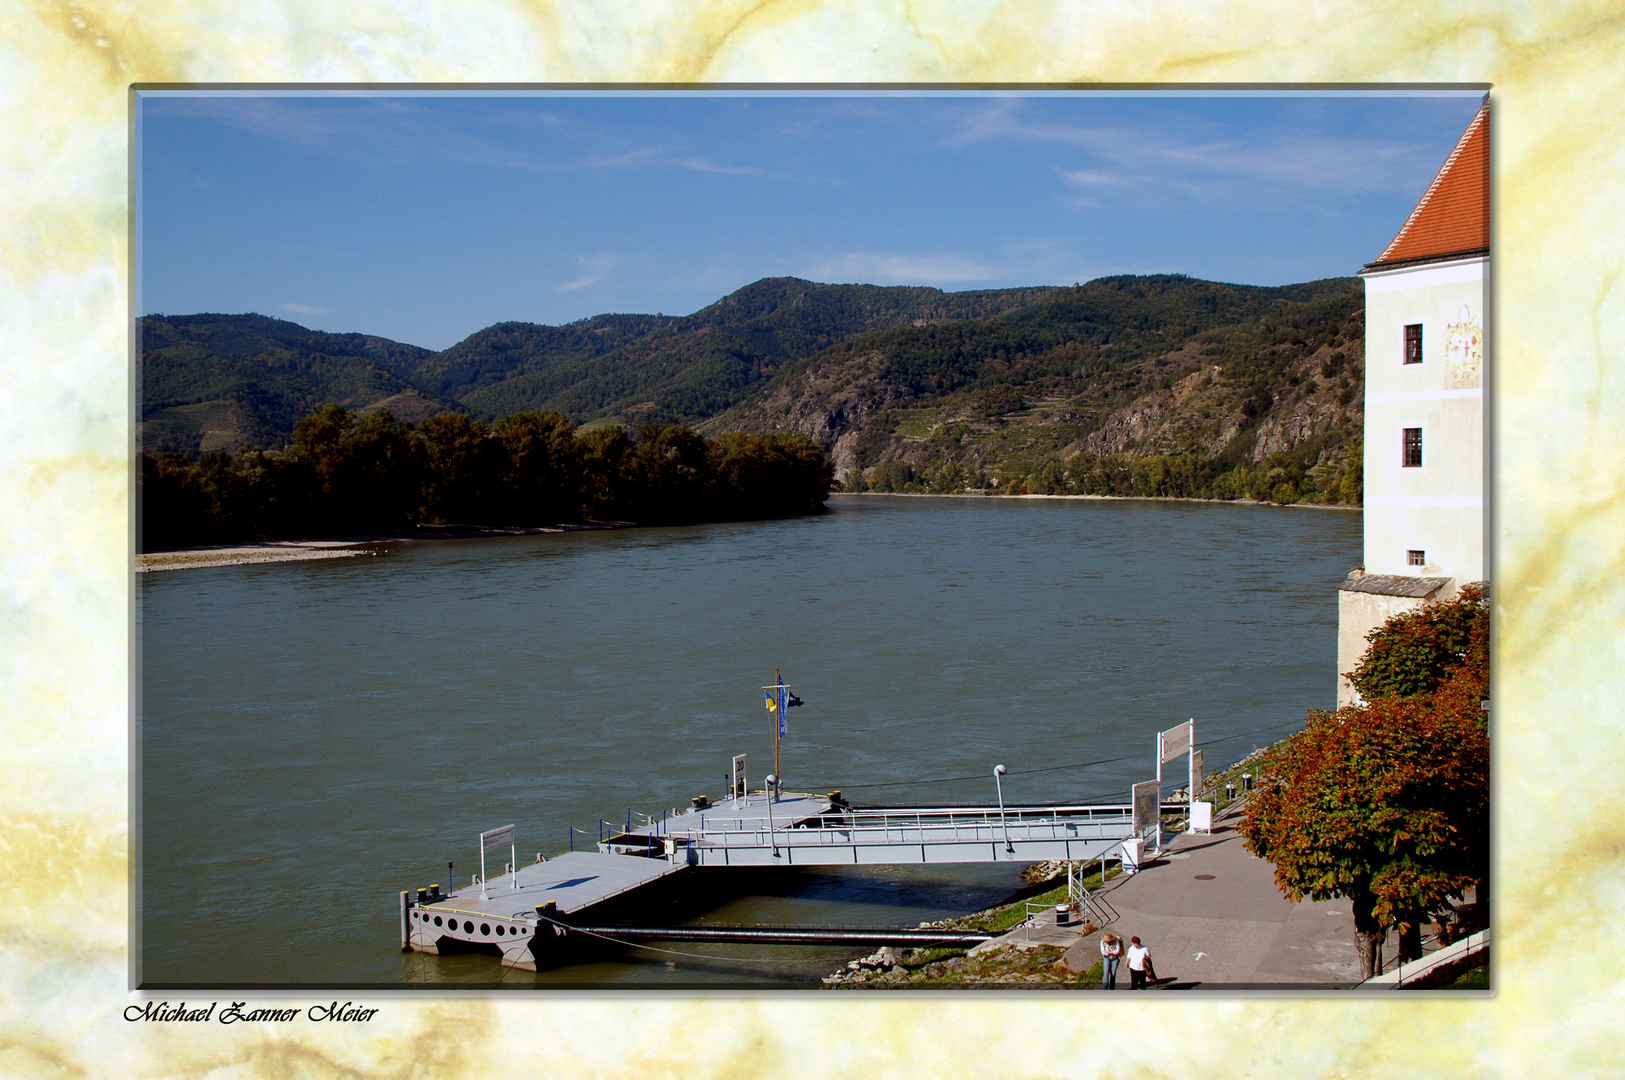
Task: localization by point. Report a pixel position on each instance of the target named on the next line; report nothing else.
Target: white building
(1425, 460)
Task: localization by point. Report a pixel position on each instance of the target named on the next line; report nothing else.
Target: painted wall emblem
(1464, 345)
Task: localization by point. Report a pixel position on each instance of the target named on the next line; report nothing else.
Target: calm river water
(317, 736)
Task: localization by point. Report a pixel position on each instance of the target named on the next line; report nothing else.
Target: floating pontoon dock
(528, 913)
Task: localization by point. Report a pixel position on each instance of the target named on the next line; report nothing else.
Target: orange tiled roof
(1454, 215)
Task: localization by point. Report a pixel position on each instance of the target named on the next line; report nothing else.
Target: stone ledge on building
(1393, 585)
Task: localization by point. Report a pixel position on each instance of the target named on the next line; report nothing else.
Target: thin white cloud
(1164, 156)
(302, 309)
(598, 266)
(704, 165)
(1092, 177)
(635, 158)
(662, 157)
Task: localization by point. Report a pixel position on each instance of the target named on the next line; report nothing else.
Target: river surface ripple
(317, 736)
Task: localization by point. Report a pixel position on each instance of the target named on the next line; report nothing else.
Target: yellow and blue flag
(780, 701)
(783, 702)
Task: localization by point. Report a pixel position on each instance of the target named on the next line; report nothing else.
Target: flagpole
(778, 724)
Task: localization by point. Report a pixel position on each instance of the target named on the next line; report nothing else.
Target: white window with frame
(1410, 447)
(1412, 350)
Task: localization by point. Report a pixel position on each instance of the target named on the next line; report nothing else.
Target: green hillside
(911, 388)
(216, 381)
(1216, 377)
(209, 382)
(640, 368)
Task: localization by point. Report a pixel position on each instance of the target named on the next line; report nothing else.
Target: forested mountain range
(215, 381)
(1118, 376)
(909, 388)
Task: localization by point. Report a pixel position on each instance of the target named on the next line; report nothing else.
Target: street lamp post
(772, 785)
(998, 771)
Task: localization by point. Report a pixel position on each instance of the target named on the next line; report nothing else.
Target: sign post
(736, 783)
(1178, 742)
(496, 838)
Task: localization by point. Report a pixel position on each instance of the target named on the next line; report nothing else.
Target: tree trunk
(1410, 940)
(1368, 937)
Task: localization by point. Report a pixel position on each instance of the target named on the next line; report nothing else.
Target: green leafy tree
(464, 469)
(1351, 486)
(606, 465)
(1414, 652)
(951, 477)
(542, 483)
(769, 476)
(1386, 804)
(346, 474)
(379, 487)
(671, 475)
(1050, 479)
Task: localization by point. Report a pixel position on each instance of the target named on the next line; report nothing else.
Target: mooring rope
(671, 952)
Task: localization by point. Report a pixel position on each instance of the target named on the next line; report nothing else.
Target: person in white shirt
(1111, 951)
(1139, 963)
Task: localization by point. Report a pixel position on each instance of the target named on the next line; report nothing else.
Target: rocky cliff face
(864, 418)
(832, 403)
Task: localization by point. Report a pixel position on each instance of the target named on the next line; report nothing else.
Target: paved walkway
(1213, 918)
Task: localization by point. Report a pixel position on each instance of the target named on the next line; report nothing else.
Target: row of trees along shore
(1284, 477)
(368, 475)
(1387, 802)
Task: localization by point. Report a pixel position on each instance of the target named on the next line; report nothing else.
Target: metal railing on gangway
(1030, 820)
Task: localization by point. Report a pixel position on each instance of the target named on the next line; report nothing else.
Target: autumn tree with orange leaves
(1387, 803)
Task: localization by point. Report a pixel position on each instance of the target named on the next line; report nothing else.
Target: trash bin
(1063, 914)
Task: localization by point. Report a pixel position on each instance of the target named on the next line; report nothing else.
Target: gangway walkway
(810, 830)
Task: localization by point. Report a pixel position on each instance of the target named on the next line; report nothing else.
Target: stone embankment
(1016, 963)
(1003, 961)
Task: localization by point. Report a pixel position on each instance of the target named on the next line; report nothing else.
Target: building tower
(1425, 463)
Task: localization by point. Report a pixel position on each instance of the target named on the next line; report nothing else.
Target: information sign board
(1176, 741)
(1147, 801)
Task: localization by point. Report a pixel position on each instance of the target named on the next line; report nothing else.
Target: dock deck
(504, 916)
(526, 915)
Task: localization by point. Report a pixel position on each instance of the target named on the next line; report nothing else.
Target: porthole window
(468, 926)
(499, 929)
(485, 928)
(437, 920)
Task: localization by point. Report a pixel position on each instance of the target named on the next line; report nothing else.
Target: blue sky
(424, 218)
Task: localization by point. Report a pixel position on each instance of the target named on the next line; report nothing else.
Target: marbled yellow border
(64, 433)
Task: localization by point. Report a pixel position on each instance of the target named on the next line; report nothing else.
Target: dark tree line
(1283, 477)
(350, 475)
